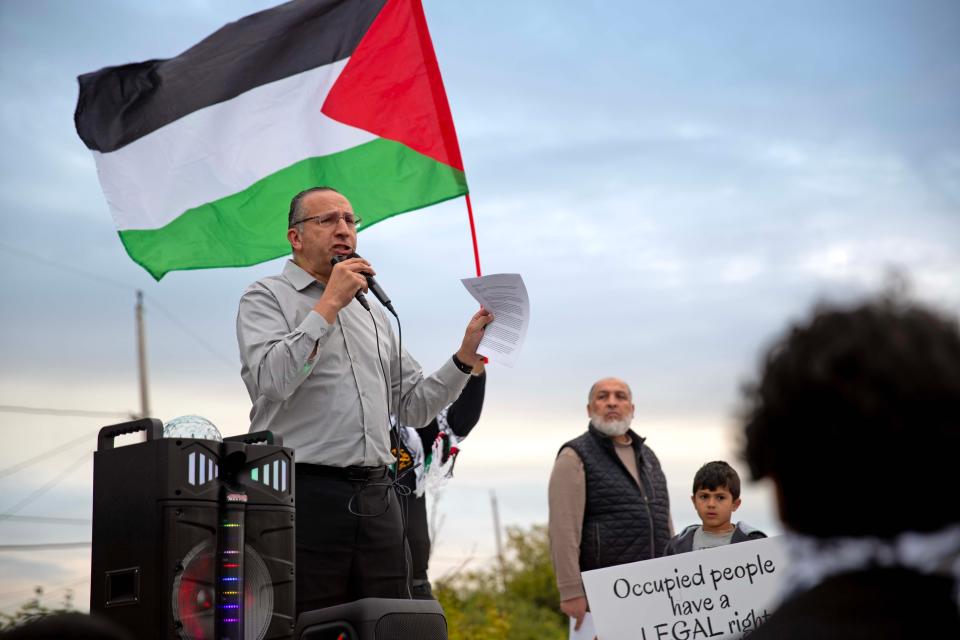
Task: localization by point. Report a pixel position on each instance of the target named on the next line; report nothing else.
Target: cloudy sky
(674, 182)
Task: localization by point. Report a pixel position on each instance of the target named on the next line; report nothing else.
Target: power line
(172, 318)
(12, 596)
(73, 270)
(46, 454)
(81, 413)
(44, 547)
(49, 520)
(86, 274)
(42, 490)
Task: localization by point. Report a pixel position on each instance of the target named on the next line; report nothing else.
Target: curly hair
(716, 474)
(856, 417)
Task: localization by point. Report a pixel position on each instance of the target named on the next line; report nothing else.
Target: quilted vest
(622, 521)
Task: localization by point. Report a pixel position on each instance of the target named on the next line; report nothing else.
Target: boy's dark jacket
(683, 541)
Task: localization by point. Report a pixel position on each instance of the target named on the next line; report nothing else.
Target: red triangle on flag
(392, 87)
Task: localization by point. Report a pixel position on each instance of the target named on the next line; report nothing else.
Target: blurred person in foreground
(856, 420)
(608, 497)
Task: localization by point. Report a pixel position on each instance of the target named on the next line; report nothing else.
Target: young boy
(716, 495)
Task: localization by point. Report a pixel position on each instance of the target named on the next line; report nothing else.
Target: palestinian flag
(199, 155)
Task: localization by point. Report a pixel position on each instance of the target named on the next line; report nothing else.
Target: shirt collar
(299, 278)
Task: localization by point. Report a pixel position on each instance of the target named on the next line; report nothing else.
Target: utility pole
(496, 536)
(142, 357)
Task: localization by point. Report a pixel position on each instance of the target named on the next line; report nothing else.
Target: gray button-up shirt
(333, 409)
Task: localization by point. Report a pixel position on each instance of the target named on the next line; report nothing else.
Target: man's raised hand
(467, 353)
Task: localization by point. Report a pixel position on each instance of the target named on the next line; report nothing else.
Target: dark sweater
(683, 541)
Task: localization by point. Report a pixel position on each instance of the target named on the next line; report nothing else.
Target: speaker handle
(152, 426)
(257, 436)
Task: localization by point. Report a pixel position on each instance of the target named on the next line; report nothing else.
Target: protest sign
(724, 592)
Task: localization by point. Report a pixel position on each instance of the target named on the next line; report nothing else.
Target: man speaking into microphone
(326, 374)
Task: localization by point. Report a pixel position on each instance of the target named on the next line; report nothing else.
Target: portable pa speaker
(193, 539)
(375, 619)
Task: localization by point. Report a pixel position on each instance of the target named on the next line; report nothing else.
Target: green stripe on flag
(381, 179)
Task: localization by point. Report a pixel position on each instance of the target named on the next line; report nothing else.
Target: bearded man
(608, 497)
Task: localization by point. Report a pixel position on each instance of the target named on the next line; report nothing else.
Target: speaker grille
(194, 598)
(402, 626)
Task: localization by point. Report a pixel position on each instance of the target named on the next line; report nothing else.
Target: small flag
(199, 155)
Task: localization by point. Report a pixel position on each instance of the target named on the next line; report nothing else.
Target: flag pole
(142, 357)
(476, 258)
(473, 234)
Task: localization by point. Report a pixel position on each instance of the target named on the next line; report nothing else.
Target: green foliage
(521, 602)
(32, 609)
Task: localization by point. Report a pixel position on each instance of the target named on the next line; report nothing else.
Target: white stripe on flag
(222, 149)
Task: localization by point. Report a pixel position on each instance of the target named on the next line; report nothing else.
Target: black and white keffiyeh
(813, 560)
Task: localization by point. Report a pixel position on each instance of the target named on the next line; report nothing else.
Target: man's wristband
(460, 365)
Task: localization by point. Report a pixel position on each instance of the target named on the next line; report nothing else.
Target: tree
(522, 604)
(32, 610)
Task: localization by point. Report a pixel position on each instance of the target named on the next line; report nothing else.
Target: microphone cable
(395, 418)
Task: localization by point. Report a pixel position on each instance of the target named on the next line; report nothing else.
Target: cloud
(672, 183)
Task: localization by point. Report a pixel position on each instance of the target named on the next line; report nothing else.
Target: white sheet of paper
(586, 632)
(506, 296)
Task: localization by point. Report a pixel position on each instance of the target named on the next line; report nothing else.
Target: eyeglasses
(332, 220)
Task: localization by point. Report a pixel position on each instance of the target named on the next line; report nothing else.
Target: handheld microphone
(362, 299)
(372, 285)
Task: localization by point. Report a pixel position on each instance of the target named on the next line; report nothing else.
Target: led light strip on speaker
(230, 587)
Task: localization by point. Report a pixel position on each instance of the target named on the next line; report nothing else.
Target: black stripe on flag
(118, 105)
